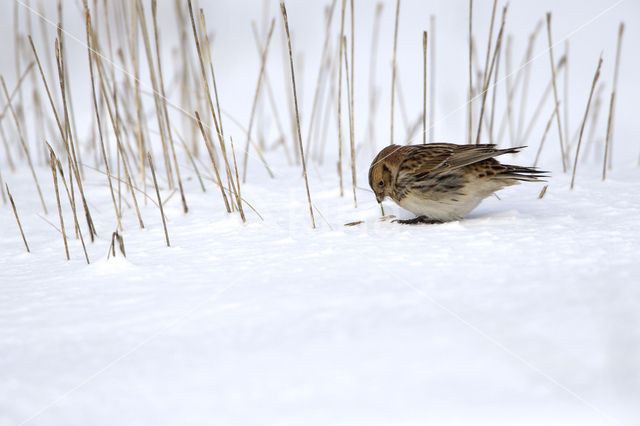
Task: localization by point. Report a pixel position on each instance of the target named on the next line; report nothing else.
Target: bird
(443, 182)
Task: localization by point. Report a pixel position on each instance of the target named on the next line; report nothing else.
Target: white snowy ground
(527, 312)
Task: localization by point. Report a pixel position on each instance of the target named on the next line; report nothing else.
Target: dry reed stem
(154, 10)
(56, 163)
(4, 197)
(566, 90)
(494, 94)
(133, 41)
(209, 98)
(541, 103)
(373, 98)
(470, 92)
(116, 237)
(68, 100)
(7, 151)
(544, 191)
(193, 163)
(340, 47)
(15, 213)
(485, 76)
(209, 145)
(424, 86)
(156, 92)
(115, 120)
(23, 143)
(69, 142)
(270, 95)
(544, 136)
(54, 173)
(321, 77)
(432, 82)
(263, 62)
(155, 184)
(584, 121)
(253, 143)
(238, 191)
(351, 125)
(612, 107)
(393, 68)
(17, 88)
(103, 150)
(353, 84)
(555, 92)
(295, 100)
(46, 86)
(485, 88)
(203, 25)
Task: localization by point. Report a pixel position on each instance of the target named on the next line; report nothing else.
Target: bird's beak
(379, 198)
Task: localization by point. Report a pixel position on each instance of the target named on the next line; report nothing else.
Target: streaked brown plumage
(441, 182)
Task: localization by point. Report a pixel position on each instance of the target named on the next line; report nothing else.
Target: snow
(525, 312)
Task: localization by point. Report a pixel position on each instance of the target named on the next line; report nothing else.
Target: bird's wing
(441, 158)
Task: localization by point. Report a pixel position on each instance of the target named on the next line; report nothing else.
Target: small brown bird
(441, 182)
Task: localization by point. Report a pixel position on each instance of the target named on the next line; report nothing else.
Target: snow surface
(526, 312)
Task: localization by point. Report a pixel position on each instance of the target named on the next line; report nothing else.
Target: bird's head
(381, 172)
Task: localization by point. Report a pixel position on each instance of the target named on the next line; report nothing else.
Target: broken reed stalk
(487, 79)
(584, 121)
(54, 173)
(235, 166)
(209, 145)
(555, 92)
(612, 106)
(23, 143)
(155, 184)
(103, 150)
(340, 47)
(351, 125)
(544, 136)
(112, 247)
(432, 82)
(163, 98)
(15, 213)
(295, 101)
(424, 86)
(470, 93)
(393, 68)
(263, 62)
(67, 137)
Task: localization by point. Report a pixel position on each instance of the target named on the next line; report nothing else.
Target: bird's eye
(381, 183)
